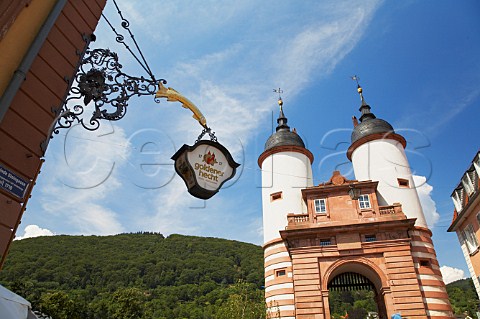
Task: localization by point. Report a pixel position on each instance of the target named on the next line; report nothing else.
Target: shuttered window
(470, 238)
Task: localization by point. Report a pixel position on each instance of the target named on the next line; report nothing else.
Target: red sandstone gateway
(367, 233)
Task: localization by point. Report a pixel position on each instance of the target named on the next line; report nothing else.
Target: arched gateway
(368, 232)
(360, 274)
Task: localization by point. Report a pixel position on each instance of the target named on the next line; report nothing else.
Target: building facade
(466, 218)
(41, 44)
(368, 233)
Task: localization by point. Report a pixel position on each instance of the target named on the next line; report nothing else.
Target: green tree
(243, 303)
(59, 305)
(127, 303)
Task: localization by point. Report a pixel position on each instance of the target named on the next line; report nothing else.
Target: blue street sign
(12, 183)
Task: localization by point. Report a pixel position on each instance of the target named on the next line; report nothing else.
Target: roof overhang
(315, 190)
(465, 212)
(284, 148)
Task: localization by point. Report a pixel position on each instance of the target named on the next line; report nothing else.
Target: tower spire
(364, 108)
(282, 120)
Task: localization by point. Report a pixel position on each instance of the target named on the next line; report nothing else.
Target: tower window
(320, 206)
(424, 263)
(276, 196)
(364, 201)
(402, 182)
(470, 239)
(280, 273)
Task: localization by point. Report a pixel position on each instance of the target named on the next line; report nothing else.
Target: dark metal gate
(349, 281)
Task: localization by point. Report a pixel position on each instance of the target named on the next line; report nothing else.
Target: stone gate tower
(367, 233)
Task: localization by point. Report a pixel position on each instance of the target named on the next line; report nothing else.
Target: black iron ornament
(101, 81)
(101, 86)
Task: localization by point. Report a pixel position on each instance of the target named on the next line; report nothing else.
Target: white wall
(287, 172)
(385, 161)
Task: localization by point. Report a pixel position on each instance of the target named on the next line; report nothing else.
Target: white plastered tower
(378, 153)
(286, 169)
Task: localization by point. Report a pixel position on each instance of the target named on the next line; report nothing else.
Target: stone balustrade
(383, 211)
(391, 209)
(297, 218)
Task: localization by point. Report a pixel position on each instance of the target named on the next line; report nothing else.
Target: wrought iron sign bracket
(101, 87)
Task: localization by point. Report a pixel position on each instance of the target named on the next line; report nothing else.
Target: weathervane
(359, 88)
(356, 78)
(279, 91)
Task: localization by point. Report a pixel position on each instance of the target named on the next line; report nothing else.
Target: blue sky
(417, 61)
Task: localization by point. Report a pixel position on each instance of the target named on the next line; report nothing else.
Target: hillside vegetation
(463, 297)
(144, 275)
(136, 276)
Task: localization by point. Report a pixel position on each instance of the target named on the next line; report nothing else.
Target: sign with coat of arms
(204, 167)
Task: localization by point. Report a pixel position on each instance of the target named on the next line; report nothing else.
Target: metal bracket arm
(174, 96)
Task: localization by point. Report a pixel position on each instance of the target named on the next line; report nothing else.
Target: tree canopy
(141, 275)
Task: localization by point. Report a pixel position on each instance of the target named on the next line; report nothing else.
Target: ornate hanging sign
(204, 167)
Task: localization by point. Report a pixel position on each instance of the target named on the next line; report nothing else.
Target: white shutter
(467, 184)
(470, 238)
(457, 202)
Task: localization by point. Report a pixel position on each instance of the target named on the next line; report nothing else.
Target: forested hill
(136, 275)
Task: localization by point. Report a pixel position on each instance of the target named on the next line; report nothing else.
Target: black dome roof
(370, 126)
(283, 136)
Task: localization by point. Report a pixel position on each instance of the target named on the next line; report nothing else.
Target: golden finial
(359, 88)
(279, 91)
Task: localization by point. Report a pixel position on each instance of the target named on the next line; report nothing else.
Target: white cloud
(91, 218)
(466, 101)
(173, 210)
(34, 231)
(451, 274)
(84, 175)
(429, 207)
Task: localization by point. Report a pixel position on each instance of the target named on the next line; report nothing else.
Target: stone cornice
(284, 148)
(372, 137)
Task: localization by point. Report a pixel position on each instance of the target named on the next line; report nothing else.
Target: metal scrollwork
(101, 85)
(208, 131)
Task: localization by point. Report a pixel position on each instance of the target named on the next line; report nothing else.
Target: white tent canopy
(12, 306)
